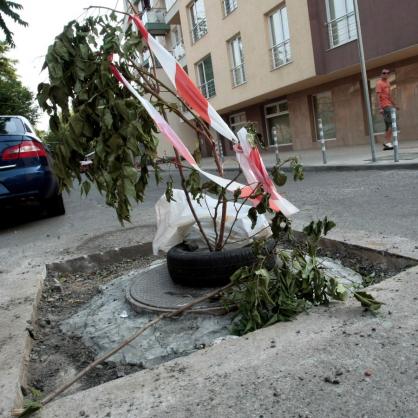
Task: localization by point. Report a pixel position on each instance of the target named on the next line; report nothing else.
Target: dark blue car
(26, 167)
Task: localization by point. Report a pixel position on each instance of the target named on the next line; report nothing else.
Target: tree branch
(128, 340)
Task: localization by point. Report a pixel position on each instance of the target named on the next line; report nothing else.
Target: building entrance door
(277, 116)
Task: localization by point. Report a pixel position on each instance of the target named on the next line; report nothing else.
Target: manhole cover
(152, 289)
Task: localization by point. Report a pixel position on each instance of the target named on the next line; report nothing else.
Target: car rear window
(11, 126)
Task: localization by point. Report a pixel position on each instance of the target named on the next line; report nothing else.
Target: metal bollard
(322, 141)
(276, 144)
(220, 150)
(395, 142)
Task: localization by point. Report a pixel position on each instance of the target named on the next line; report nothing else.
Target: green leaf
(252, 214)
(107, 119)
(279, 177)
(328, 225)
(263, 206)
(131, 173)
(237, 194)
(169, 190)
(76, 125)
(54, 123)
(337, 290)
(129, 188)
(85, 187)
(30, 407)
(368, 301)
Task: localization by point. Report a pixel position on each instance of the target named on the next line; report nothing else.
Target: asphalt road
(380, 203)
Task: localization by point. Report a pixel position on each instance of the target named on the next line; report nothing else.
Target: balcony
(173, 13)
(280, 54)
(208, 89)
(342, 30)
(179, 53)
(155, 22)
(238, 75)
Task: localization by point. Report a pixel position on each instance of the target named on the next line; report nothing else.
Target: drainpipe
(365, 82)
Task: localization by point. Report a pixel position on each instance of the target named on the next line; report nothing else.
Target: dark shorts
(387, 117)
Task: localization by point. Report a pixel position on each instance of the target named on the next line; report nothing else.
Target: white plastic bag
(175, 222)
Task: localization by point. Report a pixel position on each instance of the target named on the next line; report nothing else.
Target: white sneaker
(388, 146)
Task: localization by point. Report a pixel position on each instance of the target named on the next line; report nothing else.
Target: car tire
(55, 205)
(210, 269)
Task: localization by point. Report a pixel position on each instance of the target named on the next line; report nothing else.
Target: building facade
(285, 65)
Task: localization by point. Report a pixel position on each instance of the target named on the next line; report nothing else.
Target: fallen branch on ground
(34, 406)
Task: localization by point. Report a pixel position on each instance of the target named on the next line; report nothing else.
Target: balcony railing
(155, 21)
(238, 75)
(199, 30)
(154, 15)
(281, 54)
(178, 51)
(229, 6)
(208, 89)
(342, 30)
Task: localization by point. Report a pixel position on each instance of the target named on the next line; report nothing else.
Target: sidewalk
(356, 157)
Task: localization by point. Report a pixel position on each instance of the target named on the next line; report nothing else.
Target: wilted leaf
(368, 301)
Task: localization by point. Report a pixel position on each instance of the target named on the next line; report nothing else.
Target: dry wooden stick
(123, 344)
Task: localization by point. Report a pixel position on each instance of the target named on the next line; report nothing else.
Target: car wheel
(55, 205)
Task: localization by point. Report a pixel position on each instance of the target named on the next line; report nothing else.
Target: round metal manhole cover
(153, 289)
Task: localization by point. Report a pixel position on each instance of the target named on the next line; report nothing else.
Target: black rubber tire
(210, 269)
(55, 205)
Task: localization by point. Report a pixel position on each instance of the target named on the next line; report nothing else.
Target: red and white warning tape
(248, 156)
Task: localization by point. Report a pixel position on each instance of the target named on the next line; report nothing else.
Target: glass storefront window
(237, 121)
(277, 118)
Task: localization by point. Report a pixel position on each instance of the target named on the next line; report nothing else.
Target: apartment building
(285, 65)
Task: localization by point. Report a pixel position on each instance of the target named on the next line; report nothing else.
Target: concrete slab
(332, 362)
(18, 298)
(22, 271)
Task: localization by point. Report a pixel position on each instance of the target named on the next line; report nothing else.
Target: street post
(322, 140)
(365, 82)
(395, 142)
(276, 144)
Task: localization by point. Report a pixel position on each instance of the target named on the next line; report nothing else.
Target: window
(198, 20)
(177, 47)
(169, 4)
(237, 61)
(277, 121)
(237, 121)
(229, 6)
(280, 38)
(342, 26)
(378, 122)
(11, 126)
(206, 78)
(323, 109)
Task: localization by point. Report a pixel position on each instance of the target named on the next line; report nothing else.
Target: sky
(46, 19)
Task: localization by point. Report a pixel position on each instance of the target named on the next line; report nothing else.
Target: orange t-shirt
(383, 92)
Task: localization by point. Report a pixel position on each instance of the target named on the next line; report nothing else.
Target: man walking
(386, 104)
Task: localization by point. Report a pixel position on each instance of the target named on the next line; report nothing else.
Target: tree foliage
(15, 98)
(92, 113)
(9, 8)
(263, 297)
